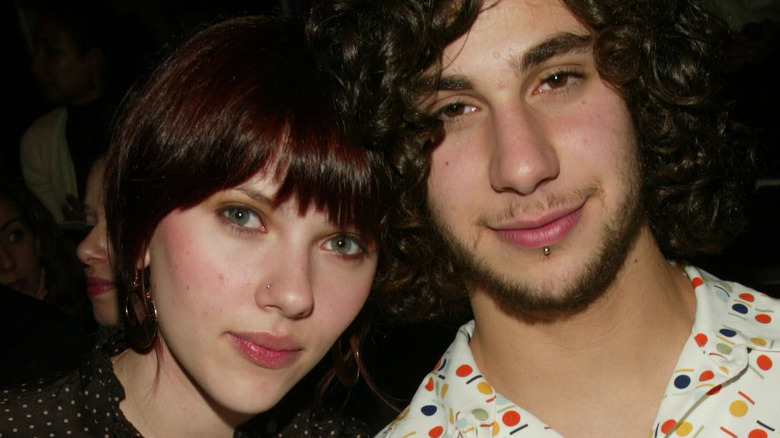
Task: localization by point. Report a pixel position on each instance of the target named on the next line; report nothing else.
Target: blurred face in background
(94, 252)
(64, 74)
(20, 266)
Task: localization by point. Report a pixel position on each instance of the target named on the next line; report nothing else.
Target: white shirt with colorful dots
(726, 382)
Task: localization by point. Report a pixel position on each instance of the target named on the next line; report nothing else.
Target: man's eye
(560, 81)
(557, 80)
(454, 109)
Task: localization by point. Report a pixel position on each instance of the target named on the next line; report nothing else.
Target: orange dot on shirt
(700, 339)
(511, 418)
(429, 384)
(757, 433)
(747, 297)
(707, 375)
(668, 426)
(463, 371)
(764, 362)
(436, 432)
(697, 281)
(763, 318)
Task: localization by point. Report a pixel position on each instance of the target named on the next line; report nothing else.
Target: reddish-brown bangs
(239, 98)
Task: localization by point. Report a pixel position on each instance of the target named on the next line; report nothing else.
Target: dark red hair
(239, 97)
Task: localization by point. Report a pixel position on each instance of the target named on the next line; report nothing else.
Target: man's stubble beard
(524, 300)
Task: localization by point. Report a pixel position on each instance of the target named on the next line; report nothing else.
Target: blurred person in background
(94, 251)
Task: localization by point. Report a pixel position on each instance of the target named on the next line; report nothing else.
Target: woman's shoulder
(80, 402)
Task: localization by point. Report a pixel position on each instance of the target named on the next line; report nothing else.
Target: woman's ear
(144, 262)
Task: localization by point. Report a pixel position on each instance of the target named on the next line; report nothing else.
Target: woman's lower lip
(95, 290)
(546, 235)
(263, 356)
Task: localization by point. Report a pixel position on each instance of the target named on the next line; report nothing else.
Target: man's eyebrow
(430, 83)
(554, 46)
(551, 47)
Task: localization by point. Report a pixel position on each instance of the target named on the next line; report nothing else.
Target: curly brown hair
(663, 57)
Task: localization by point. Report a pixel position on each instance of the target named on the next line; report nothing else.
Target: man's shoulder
(427, 411)
(47, 125)
(736, 311)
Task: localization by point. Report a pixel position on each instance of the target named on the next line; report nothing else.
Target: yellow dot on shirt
(758, 341)
(484, 387)
(738, 408)
(683, 429)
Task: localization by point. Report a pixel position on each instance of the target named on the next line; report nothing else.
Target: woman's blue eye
(344, 245)
(243, 217)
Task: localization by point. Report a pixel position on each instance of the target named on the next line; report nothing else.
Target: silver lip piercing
(268, 285)
(546, 250)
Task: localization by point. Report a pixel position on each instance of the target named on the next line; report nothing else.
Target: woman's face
(93, 251)
(250, 297)
(20, 266)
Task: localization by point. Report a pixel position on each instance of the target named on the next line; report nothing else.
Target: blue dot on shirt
(740, 308)
(728, 333)
(428, 410)
(682, 382)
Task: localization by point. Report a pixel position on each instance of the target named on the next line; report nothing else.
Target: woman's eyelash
(242, 219)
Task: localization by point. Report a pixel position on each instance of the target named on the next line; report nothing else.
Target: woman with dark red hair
(245, 228)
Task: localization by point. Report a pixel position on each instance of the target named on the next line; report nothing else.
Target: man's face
(538, 152)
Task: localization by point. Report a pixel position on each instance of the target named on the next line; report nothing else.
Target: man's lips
(266, 350)
(541, 232)
(97, 286)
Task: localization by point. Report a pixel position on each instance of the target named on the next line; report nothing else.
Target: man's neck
(622, 347)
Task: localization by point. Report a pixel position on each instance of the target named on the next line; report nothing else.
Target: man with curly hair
(556, 162)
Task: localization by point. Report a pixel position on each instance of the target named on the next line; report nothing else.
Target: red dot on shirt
(763, 318)
(707, 375)
(463, 371)
(511, 418)
(747, 297)
(668, 426)
(429, 385)
(436, 432)
(714, 390)
(697, 281)
(764, 362)
(757, 433)
(700, 339)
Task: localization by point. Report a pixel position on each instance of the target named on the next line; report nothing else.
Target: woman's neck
(161, 400)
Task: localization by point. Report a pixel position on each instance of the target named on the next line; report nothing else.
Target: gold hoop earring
(347, 375)
(140, 315)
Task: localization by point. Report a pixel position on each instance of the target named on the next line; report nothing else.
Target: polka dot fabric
(726, 382)
(83, 403)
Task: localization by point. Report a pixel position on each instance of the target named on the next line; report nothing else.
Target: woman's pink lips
(538, 235)
(266, 350)
(97, 286)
